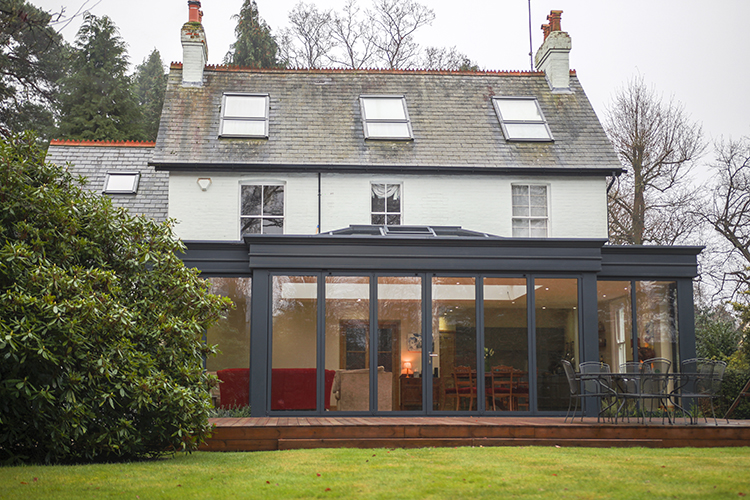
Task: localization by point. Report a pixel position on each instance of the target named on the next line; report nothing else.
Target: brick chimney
(553, 56)
(194, 48)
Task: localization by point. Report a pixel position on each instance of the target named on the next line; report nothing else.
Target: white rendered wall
(577, 205)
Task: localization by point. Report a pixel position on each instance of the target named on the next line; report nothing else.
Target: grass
(433, 473)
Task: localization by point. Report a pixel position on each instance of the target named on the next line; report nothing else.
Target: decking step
(297, 444)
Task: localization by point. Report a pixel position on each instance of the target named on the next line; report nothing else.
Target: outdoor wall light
(204, 182)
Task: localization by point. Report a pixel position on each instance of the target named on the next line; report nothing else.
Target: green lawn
(460, 473)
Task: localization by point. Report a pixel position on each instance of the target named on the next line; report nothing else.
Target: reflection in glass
(400, 337)
(348, 344)
(454, 337)
(232, 336)
(556, 311)
(506, 343)
(615, 323)
(294, 344)
(656, 303)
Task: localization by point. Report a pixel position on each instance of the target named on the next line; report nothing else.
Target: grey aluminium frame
(504, 122)
(265, 119)
(366, 120)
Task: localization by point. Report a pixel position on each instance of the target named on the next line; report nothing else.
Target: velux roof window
(121, 183)
(244, 115)
(385, 117)
(521, 119)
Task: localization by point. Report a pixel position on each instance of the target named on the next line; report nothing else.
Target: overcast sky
(693, 50)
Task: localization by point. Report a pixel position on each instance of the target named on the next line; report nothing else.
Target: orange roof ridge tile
(415, 71)
(127, 144)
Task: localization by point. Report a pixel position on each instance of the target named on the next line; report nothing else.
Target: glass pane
(506, 353)
(527, 131)
(273, 200)
(520, 210)
(538, 228)
(394, 220)
(250, 225)
(400, 319)
(393, 202)
(521, 228)
(273, 226)
(388, 130)
(124, 183)
(556, 339)
(348, 346)
(384, 108)
(244, 106)
(378, 201)
(519, 109)
(251, 196)
(232, 336)
(658, 332)
(615, 323)
(454, 338)
(378, 219)
(294, 345)
(250, 128)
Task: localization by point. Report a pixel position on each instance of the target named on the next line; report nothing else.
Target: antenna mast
(531, 49)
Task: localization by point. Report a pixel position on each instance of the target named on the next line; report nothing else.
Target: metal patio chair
(596, 383)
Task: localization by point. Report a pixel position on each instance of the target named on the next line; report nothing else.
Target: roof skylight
(385, 117)
(244, 115)
(521, 119)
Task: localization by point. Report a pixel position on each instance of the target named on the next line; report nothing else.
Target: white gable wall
(577, 205)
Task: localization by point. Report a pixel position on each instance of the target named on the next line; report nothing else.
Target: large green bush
(101, 324)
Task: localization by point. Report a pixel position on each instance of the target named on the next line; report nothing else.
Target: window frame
(261, 217)
(265, 119)
(503, 122)
(366, 121)
(386, 213)
(134, 190)
(530, 217)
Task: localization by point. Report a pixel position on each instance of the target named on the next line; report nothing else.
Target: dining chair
(464, 386)
(501, 386)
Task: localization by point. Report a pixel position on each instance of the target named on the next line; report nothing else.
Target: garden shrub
(101, 324)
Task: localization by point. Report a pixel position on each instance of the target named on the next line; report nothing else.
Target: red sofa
(291, 388)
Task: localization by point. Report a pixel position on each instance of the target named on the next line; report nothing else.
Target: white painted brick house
(389, 224)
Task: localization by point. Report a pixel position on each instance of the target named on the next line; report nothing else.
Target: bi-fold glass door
(421, 343)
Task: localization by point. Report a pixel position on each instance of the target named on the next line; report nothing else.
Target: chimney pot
(553, 56)
(554, 20)
(195, 15)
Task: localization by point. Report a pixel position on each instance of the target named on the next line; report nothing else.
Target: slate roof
(94, 160)
(315, 122)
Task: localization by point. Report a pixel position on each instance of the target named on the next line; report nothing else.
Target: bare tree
(308, 42)
(355, 37)
(447, 58)
(395, 23)
(725, 207)
(658, 144)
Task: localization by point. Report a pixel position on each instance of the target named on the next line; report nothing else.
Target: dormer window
(521, 119)
(244, 115)
(121, 183)
(385, 117)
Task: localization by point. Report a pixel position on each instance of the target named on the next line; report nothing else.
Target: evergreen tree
(149, 86)
(96, 100)
(31, 62)
(255, 46)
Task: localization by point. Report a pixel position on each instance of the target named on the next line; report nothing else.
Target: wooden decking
(269, 433)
